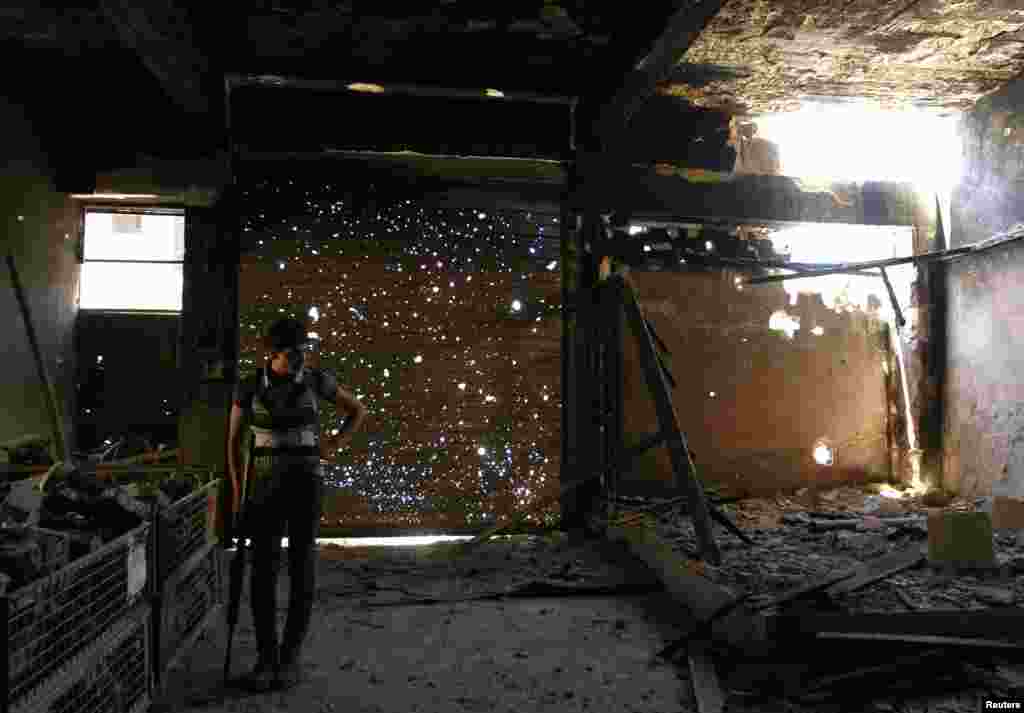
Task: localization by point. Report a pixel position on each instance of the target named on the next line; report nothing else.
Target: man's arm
(355, 414)
(353, 409)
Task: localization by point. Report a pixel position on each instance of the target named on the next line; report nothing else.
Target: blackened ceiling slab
(934, 53)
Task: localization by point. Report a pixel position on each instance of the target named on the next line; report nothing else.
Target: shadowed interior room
(657, 357)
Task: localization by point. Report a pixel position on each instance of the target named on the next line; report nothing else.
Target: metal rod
(892, 298)
(890, 262)
(49, 396)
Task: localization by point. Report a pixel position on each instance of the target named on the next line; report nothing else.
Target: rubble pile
(858, 603)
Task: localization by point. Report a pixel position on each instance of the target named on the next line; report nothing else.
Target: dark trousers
(283, 494)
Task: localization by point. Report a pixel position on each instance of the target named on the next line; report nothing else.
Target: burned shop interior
(683, 339)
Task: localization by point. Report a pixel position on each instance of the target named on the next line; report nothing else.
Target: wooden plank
(990, 625)
(706, 687)
(683, 468)
(923, 639)
(803, 590)
(878, 569)
(666, 51)
(701, 597)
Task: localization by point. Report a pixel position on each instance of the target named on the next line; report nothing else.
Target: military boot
(264, 677)
(289, 669)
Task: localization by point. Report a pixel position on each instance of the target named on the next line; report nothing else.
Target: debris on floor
(829, 581)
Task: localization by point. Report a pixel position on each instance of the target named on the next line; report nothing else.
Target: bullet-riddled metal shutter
(444, 321)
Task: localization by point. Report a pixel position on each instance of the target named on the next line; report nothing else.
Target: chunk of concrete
(1007, 513)
(995, 595)
(960, 538)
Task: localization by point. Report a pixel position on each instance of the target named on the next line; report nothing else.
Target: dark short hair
(284, 333)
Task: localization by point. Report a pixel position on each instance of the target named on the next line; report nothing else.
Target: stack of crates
(189, 575)
(99, 633)
(78, 639)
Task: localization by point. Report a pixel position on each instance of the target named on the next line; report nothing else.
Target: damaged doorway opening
(855, 294)
(832, 139)
(770, 371)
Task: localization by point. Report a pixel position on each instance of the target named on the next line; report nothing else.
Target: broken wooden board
(855, 524)
(878, 569)
(706, 687)
(804, 590)
(700, 595)
(996, 628)
(685, 474)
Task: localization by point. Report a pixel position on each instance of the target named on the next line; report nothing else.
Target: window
(132, 260)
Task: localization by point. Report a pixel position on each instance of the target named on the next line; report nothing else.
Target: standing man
(281, 488)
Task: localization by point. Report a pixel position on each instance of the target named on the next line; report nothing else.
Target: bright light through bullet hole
(314, 313)
(823, 454)
(712, 394)
(481, 451)
(817, 331)
(708, 245)
(647, 248)
(552, 265)
(636, 229)
(462, 386)
(517, 306)
(99, 359)
(418, 359)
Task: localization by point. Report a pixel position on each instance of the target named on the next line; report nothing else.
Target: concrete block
(1007, 513)
(960, 538)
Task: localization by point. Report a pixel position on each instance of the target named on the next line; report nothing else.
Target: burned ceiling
(758, 57)
(751, 57)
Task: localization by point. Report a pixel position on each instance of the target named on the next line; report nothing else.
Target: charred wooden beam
(163, 37)
(657, 65)
(684, 471)
(649, 194)
(995, 628)
(387, 87)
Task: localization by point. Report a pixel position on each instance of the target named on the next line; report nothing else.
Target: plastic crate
(52, 620)
(112, 675)
(185, 527)
(186, 602)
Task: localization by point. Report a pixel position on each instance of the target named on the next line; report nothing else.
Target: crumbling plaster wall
(936, 53)
(984, 424)
(40, 225)
(774, 396)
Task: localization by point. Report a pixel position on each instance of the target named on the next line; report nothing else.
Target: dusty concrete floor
(369, 652)
(373, 649)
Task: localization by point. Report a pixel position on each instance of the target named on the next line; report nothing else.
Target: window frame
(147, 209)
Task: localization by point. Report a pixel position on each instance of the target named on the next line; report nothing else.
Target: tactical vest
(288, 422)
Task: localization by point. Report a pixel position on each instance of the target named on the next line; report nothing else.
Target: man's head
(287, 342)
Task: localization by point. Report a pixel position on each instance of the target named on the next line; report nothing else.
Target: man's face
(288, 361)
